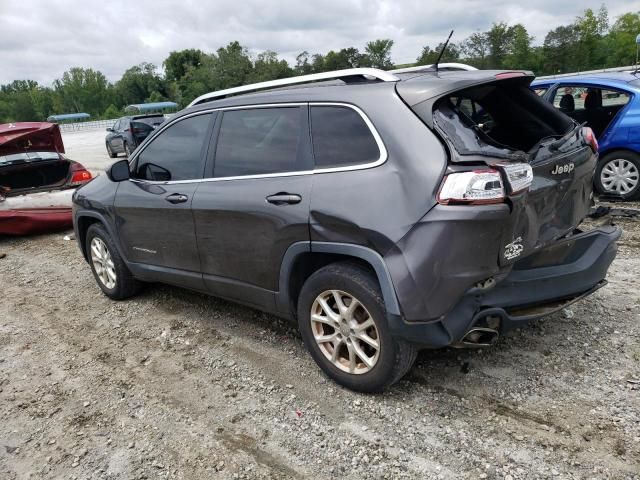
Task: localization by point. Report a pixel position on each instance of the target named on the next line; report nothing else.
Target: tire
(111, 153)
(387, 364)
(628, 164)
(97, 242)
(127, 150)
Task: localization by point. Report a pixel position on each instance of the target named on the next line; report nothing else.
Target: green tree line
(592, 41)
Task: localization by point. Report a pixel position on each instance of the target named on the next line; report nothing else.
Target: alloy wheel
(345, 332)
(103, 263)
(619, 176)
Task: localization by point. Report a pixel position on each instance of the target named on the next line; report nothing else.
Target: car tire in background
(110, 271)
(618, 175)
(111, 153)
(353, 346)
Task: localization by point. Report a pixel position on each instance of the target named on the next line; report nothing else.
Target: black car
(128, 132)
(383, 212)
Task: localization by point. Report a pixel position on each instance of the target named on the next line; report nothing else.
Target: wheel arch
(611, 150)
(83, 221)
(304, 258)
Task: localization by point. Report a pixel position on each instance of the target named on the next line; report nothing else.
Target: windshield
(28, 157)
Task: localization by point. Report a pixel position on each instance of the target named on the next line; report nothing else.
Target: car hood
(24, 137)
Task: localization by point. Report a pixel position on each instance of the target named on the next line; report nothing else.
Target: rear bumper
(538, 285)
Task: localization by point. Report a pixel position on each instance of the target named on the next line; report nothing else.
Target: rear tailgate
(560, 195)
(498, 121)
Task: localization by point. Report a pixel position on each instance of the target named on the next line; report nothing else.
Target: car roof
(416, 86)
(613, 79)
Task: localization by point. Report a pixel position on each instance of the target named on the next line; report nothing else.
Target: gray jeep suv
(384, 212)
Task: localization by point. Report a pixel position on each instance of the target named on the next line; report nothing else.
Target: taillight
(476, 187)
(79, 175)
(519, 176)
(590, 138)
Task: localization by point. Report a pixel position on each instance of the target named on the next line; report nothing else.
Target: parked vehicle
(128, 132)
(385, 212)
(36, 179)
(609, 103)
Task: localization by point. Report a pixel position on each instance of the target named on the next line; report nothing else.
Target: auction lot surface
(173, 384)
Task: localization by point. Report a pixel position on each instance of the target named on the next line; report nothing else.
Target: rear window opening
(504, 119)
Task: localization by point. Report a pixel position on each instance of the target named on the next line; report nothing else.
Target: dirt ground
(173, 384)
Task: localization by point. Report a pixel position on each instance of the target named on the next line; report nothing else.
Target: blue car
(609, 103)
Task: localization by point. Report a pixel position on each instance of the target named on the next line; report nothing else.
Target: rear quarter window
(341, 137)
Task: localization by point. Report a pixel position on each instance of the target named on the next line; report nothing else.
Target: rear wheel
(110, 271)
(342, 320)
(618, 174)
(111, 153)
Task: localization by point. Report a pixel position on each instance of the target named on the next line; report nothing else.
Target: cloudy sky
(41, 39)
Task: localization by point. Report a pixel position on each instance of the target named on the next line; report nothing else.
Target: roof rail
(629, 68)
(372, 73)
(441, 66)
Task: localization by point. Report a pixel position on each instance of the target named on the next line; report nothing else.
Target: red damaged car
(36, 179)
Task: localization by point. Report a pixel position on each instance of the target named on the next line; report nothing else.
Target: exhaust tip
(479, 337)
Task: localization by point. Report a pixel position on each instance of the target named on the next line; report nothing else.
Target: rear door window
(341, 137)
(260, 141)
(592, 105)
(177, 153)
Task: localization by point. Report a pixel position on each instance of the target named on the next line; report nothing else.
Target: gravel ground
(173, 384)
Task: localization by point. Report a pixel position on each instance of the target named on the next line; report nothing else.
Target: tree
(268, 66)
(303, 67)
(590, 50)
(520, 52)
(476, 48)
(620, 42)
(379, 53)
(232, 66)
(558, 47)
(177, 63)
(138, 83)
(499, 40)
(81, 90)
(429, 57)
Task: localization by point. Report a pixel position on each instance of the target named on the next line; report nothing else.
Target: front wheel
(110, 271)
(618, 174)
(342, 320)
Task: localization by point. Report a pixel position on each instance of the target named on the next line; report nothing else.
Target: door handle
(177, 198)
(284, 198)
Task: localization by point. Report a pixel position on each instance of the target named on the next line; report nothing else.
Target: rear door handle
(284, 198)
(177, 198)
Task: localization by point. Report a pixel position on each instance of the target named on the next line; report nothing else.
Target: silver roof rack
(370, 73)
(450, 66)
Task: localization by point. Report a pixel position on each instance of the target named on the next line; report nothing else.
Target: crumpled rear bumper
(538, 285)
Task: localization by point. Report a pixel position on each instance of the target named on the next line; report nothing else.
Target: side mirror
(109, 129)
(119, 171)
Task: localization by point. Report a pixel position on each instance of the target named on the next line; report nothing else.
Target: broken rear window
(502, 119)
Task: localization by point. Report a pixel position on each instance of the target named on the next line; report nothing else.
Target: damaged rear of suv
(384, 212)
(517, 185)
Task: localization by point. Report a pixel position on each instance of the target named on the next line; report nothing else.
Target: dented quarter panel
(376, 207)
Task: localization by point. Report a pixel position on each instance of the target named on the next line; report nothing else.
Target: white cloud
(41, 39)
